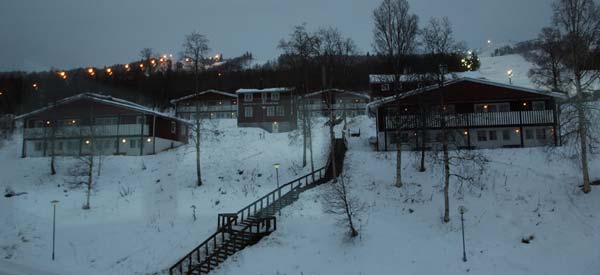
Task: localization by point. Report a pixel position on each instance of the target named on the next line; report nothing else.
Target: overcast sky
(39, 34)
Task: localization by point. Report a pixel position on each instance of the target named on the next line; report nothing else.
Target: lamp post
(54, 203)
(462, 211)
(276, 165)
(509, 73)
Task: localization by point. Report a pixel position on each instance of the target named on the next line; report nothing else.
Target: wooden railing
(217, 241)
(274, 196)
(84, 131)
(492, 119)
(215, 108)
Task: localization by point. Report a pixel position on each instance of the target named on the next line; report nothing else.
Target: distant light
(489, 41)
(73, 121)
(34, 85)
(276, 165)
(1, 93)
(524, 103)
(48, 122)
(466, 133)
(141, 66)
(124, 141)
(485, 106)
(149, 140)
(517, 131)
(87, 141)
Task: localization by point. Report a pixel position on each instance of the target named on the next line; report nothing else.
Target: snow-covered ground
(524, 192)
(149, 229)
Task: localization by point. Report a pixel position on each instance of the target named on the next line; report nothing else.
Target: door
(275, 127)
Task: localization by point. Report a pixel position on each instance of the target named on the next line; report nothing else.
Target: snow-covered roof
(389, 78)
(173, 101)
(105, 99)
(389, 99)
(359, 94)
(267, 90)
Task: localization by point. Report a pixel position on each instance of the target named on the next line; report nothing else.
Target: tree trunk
(332, 137)
(52, 150)
(198, 172)
(398, 155)
(304, 132)
(446, 176)
(582, 130)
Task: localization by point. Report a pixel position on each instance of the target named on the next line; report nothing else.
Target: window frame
(275, 96)
(248, 111)
(248, 97)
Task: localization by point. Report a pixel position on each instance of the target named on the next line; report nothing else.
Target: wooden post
(154, 134)
(385, 120)
(118, 139)
(142, 135)
(554, 125)
(521, 133)
(468, 132)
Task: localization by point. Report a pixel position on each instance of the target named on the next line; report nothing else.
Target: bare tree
(548, 69)
(195, 48)
(437, 36)
(147, 54)
(300, 51)
(335, 57)
(340, 201)
(395, 34)
(579, 23)
(466, 166)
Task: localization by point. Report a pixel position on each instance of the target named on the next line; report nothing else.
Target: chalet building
(271, 109)
(99, 124)
(384, 85)
(477, 114)
(346, 103)
(210, 104)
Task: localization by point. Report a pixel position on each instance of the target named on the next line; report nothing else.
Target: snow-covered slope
(496, 68)
(150, 228)
(524, 192)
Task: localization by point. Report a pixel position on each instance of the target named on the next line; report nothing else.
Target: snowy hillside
(523, 193)
(141, 218)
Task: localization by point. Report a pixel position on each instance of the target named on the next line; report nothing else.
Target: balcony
(496, 119)
(215, 108)
(85, 131)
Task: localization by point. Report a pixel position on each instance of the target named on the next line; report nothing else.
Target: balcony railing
(473, 120)
(84, 131)
(216, 108)
(341, 106)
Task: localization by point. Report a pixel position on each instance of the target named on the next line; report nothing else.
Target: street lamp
(54, 203)
(509, 73)
(276, 165)
(462, 211)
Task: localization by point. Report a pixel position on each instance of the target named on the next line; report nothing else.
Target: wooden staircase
(235, 231)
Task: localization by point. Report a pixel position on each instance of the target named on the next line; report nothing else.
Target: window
(263, 97)
(280, 111)
(385, 87)
(132, 143)
(270, 111)
(529, 134)
(59, 146)
(106, 121)
(141, 119)
(404, 137)
(540, 134)
(493, 135)
(173, 127)
(481, 136)
(248, 111)
(504, 107)
(538, 105)
(505, 134)
(248, 97)
(275, 96)
(38, 146)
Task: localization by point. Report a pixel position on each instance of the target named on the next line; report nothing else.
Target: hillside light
(141, 66)
(91, 72)
(109, 71)
(462, 211)
(54, 203)
(127, 67)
